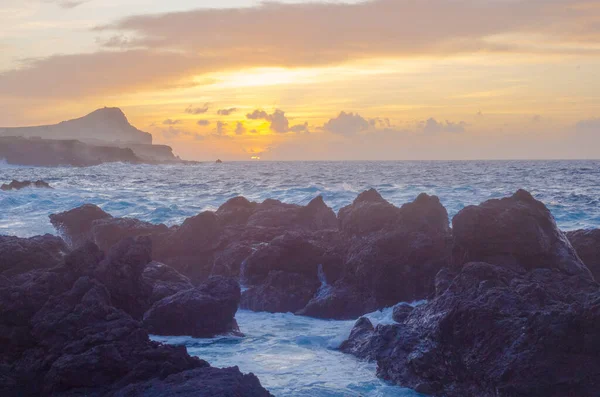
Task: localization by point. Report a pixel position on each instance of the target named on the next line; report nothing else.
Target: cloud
(171, 122)
(432, 126)
(203, 123)
(590, 125)
(240, 129)
(173, 132)
(220, 129)
(300, 128)
(258, 115)
(278, 122)
(164, 50)
(68, 3)
(226, 112)
(192, 110)
(347, 124)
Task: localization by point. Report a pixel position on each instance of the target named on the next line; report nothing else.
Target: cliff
(108, 125)
(53, 153)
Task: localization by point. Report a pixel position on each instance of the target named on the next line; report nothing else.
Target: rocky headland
(103, 136)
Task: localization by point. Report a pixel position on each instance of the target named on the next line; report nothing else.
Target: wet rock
(121, 272)
(587, 245)
(60, 334)
(107, 232)
(513, 327)
(236, 211)
(20, 255)
(368, 213)
(164, 280)
(281, 292)
(394, 253)
(205, 311)
(201, 382)
(339, 302)
(291, 252)
(517, 232)
(18, 185)
(401, 311)
(75, 226)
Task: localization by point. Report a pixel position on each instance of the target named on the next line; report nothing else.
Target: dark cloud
(200, 110)
(258, 115)
(226, 112)
(171, 122)
(240, 129)
(220, 129)
(203, 123)
(347, 124)
(300, 128)
(432, 126)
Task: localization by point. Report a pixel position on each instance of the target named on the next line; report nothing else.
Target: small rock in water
(18, 185)
(218, 161)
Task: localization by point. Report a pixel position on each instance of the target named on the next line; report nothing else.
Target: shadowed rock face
(18, 185)
(18, 255)
(61, 334)
(511, 327)
(75, 226)
(517, 232)
(587, 245)
(54, 153)
(373, 256)
(205, 311)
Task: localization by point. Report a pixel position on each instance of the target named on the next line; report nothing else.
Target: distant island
(102, 136)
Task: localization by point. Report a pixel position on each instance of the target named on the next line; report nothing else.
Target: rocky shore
(513, 308)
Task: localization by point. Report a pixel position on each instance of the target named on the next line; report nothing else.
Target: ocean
(291, 355)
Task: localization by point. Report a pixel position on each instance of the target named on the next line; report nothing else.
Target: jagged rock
(517, 232)
(18, 185)
(401, 311)
(109, 231)
(19, 255)
(203, 382)
(368, 213)
(587, 245)
(515, 327)
(280, 293)
(75, 226)
(121, 272)
(393, 254)
(165, 281)
(205, 311)
(291, 252)
(236, 211)
(339, 302)
(61, 335)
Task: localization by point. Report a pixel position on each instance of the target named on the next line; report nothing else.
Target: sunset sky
(379, 80)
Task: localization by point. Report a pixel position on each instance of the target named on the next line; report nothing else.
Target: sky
(318, 80)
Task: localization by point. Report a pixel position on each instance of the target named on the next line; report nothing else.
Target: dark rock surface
(17, 185)
(75, 225)
(517, 232)
(371, 256)
(587, 245)
(61, 334)
(165, 281)
(281, 292)
(517, 326)
(55, 153)
(202, 312)
(401, 311)
(20, 255)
